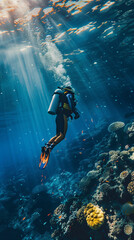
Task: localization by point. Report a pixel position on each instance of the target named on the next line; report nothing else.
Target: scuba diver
(63, 105)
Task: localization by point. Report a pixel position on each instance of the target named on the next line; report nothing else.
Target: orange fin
(43, 160)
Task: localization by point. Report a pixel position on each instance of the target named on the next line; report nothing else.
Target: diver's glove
(77, 115)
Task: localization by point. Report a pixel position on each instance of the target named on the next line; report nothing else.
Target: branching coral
(94, 216)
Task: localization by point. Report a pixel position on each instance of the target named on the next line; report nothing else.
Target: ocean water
(44, 44)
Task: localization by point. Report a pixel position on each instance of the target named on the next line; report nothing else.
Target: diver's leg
(61, 126)
(63, 130)
(52, 139)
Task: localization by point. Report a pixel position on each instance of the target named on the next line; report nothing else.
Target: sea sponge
(130, 187)
(94, 216)
(128, 209)
(128, 229)
(124, 174)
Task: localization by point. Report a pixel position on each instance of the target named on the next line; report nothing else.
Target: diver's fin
(44, 158)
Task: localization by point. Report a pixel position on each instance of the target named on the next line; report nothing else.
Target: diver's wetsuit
(63, 113)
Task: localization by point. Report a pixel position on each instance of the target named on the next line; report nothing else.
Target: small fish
(92, 120)
(44, 223)
(60, 216)
(48, 214)
(24, 218)
(82, 132)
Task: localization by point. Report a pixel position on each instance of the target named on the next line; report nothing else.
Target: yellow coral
(94, 216)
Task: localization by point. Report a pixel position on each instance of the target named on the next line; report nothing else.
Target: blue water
(88, 45)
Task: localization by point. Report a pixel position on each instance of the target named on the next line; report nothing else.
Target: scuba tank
(54, 104)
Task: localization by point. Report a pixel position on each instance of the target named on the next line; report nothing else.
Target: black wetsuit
(63, 113)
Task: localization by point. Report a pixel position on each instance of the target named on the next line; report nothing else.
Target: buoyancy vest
(65, 105)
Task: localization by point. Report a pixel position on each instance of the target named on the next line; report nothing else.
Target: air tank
(54, 104)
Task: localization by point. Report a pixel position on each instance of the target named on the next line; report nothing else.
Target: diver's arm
(70, 102)
(72, 105)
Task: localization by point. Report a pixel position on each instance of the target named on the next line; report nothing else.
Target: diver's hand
(77, 115)
(71, 117)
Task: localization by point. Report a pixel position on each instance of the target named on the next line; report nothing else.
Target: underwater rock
(80, 215)
(129, 128)
(64, 185)
(128, 209)
(89, 180)
(35, 216)
(117, 128)
(129, 131)
(38, 189)
(105, 188)
(3, 213)
(103, 155)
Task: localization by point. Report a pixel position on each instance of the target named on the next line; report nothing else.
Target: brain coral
(94, 216)
(130, 187)
(124, 174)
(128, 229)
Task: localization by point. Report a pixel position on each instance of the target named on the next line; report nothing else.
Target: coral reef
(108, 185)
(72, 205)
